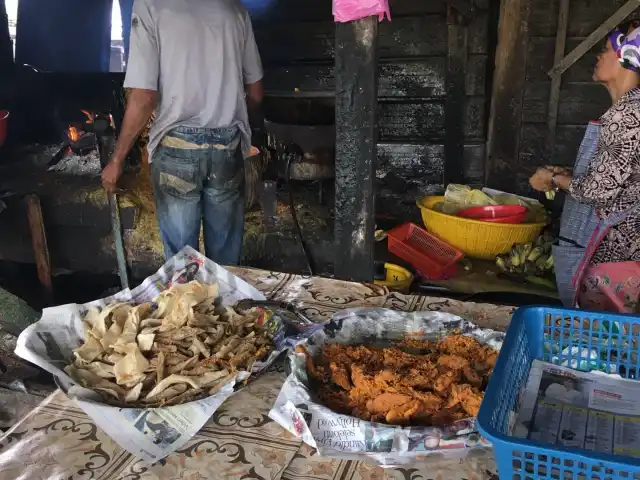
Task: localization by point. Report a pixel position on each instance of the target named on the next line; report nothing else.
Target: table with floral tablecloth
(58, 441)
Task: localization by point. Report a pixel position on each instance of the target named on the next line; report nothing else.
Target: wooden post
(505, 120)
(455, 104)
(556, 81)
(356, 72)
(465, 8)
(40, 247)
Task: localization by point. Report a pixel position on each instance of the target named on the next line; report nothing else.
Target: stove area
(87, 147)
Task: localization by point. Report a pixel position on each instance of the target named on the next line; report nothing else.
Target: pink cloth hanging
(350, 10)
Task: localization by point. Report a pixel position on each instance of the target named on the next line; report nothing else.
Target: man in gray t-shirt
(196, 64)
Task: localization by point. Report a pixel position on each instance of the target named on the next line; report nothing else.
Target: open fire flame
(89, 116)
(74, 134)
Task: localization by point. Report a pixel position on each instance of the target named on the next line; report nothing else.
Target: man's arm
(252, 73)
(140, 106)
(254, 96)
(143, 71)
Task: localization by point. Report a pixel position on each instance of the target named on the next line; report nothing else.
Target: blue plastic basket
(559, 336)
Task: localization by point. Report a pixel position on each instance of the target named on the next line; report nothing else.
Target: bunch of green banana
(530, 259)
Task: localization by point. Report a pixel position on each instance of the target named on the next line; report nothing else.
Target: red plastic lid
(496, 213)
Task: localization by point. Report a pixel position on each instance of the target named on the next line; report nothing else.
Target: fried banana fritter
(441, 384)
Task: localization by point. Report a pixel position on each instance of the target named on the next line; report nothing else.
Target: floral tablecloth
(58, 441)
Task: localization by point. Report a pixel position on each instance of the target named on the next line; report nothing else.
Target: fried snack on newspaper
(416, 382)
(182, 346)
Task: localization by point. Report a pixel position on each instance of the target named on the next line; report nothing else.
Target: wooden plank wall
(581, 100)
(296, 41)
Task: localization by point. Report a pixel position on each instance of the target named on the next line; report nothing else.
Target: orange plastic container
(428, 254)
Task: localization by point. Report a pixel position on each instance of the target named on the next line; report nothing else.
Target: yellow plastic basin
(485, 240)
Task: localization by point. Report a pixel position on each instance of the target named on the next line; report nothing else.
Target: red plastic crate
(427, 253)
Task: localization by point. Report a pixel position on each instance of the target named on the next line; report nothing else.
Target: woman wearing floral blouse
(606, 275)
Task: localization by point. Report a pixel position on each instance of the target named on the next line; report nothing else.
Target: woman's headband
(627, 47)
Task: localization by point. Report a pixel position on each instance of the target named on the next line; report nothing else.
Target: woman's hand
(558, 170)
(541, 181)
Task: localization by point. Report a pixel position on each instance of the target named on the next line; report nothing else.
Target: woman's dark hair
(628, 26)
(625, 27)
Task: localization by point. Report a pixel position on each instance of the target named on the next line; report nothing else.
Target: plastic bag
(350, 10)
(465, 195)
(448, 208)
(459, 197)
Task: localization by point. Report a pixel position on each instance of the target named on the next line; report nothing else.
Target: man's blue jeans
(198, 176)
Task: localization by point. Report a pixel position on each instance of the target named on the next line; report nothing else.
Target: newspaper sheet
(343, 436)
(152, 433)
(574, 409)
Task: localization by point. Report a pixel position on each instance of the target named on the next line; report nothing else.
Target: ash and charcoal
(39, 155)
(72, 164)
